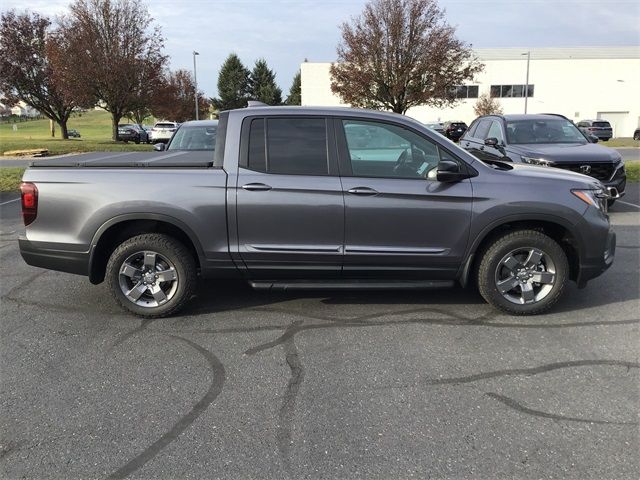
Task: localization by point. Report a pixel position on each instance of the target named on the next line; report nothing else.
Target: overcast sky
(285, 32)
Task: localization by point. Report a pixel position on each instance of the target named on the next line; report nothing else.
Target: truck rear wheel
(151, 275)
(523, 273)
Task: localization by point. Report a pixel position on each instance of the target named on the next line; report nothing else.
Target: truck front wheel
(151, 275)
(523, 273)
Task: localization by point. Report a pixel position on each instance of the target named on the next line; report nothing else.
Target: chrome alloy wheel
(525, 275)
(148, 279)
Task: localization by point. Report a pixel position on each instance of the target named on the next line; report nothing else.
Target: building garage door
(620, 122)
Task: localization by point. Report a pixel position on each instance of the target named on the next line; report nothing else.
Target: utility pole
(526, 87)
(195, 81)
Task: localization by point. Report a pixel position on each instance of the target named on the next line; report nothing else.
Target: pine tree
(295, 92)
(263, 84)
(233, 84)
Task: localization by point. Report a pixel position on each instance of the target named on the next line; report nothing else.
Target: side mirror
(593, 139)
(491, 142)
(159, 147)
(449, 171)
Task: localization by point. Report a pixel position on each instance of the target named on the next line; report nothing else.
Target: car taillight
(29, 196)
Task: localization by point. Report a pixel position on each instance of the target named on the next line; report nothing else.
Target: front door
(290, 209)
(399, 221)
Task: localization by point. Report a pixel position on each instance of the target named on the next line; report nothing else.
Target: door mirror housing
(491, 142)
(159, 147)
(593, 139)
(449, 171)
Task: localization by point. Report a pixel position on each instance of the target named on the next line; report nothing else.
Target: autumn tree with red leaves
(399, 54)
(175, 99)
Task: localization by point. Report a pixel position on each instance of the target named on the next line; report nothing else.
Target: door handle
(362, 191)
(256, 187)
(482, 147)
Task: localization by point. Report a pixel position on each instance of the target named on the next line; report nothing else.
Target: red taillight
(29, 195)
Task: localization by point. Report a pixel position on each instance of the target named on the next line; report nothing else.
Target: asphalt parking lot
(325, 385)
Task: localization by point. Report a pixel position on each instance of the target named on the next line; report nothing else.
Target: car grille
(601, 171)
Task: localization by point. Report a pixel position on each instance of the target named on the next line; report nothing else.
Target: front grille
(601, 171)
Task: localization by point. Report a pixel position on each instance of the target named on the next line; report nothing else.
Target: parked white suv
(163, 131)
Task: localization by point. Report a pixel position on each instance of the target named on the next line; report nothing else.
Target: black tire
(174, 252)
(137, 141)
(611, 202)
(492, 257)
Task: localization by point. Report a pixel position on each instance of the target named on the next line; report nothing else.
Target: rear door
(290, 210)
(398, 222)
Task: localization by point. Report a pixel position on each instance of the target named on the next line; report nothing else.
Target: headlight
(596, 198)
(536, 161)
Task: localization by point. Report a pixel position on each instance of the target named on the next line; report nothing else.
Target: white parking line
(630, 204)
(10, 201)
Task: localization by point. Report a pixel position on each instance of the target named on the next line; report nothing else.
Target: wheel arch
(120, 228)
(557, 228)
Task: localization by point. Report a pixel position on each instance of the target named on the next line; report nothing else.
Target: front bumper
(618, 181)
(598, 254)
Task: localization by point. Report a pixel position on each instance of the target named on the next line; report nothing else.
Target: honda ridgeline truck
(296, 197)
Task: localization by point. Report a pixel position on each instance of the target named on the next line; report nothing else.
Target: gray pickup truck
(296, 197)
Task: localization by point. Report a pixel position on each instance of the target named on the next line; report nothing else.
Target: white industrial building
(581, 83)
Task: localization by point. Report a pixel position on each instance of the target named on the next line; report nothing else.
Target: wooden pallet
(34, 152)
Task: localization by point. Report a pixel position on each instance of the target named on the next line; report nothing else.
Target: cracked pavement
(244, 384)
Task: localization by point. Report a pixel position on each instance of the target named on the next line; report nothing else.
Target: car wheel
(611, 202)
(137, 141)
(636, 136)
(151, 275)
(523, 273)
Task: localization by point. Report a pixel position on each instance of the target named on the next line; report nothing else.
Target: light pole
(526, 87)
(195, 81)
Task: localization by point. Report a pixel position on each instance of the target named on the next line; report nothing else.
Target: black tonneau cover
(167, 159)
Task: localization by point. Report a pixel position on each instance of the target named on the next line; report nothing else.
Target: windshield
(553, 130)
(194, 138)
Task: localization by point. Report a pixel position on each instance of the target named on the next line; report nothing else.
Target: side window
(389, 151)
(257, 154)
(495, 131)
(472, 130)
(483, 129)
(297, 146)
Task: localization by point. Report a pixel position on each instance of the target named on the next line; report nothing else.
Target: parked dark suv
(599, 128)
(130, 132)
(454, 130)
(548, 140)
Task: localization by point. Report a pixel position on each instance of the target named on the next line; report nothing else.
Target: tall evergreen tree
(233, 84)
(295, 92)
(263, 84)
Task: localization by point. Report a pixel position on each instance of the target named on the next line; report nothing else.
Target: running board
(281, 286)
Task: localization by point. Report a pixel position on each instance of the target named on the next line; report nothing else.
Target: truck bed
(174, 159)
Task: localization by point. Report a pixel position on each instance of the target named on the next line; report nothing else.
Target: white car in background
(163, 131)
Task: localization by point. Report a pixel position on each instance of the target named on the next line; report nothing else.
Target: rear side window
(288, 146)
(257, 150)
(602, 124)
(297, 146)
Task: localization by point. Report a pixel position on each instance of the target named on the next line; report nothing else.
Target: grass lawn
(621, 142)
(10, 178)
(93, 125)
(633, 171)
